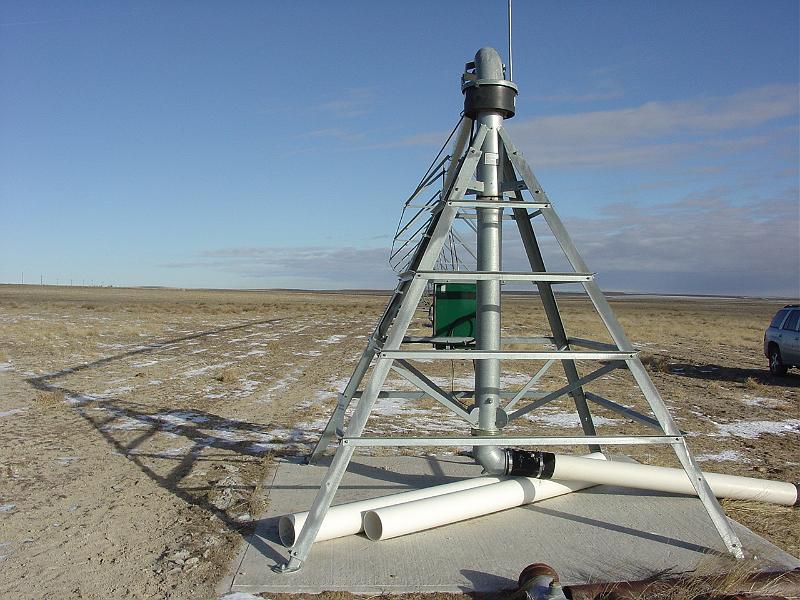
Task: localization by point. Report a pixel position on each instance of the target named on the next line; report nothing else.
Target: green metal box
(454, 308)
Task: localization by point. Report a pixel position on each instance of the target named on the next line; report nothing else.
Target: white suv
(782, 340)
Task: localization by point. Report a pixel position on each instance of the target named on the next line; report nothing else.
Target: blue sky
(266, 144)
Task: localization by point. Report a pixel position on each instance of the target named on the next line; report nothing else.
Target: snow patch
(763, 402)
(114, 391)
(247, 387)
(252, 353)
(752, 429)
(724, 456)
(172, 452)
(568, 420)
(13, 411)
(179, 418)
(78, 399)
(201, 370)
(147, 363)
(279, 385)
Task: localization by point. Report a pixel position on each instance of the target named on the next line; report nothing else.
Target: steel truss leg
(551, 310)
(374, 345)
(393, 325)
(336, 422)
(638, 371)
(344, 453)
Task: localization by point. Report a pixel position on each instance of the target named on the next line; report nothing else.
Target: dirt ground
(137, 424)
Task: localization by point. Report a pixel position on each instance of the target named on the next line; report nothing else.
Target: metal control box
(454, 309)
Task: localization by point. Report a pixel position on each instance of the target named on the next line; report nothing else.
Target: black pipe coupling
(527, 463)
(493, 96)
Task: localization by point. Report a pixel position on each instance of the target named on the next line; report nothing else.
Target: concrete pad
(598, 534)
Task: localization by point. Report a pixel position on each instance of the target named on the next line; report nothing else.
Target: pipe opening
(286, 531)
(372, 525)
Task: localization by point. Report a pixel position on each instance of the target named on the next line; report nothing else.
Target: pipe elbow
(488, 64)
(494, 460)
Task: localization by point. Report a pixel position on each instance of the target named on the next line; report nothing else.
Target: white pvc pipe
(346, 519)
(442, 509)
(410, 517)
(665, 479)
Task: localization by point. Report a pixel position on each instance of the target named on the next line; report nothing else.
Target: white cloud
(335, 133)
(701, 244)
(351, 103)
(649, 133)
(701, 115)
(320, 267)
(656, 131)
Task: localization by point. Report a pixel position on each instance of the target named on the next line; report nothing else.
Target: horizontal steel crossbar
(528, 339)
(504, 276)
(406, 395)
(580, 440)
(473, 217)
(506, 355)
(437, 339)
(500, 204)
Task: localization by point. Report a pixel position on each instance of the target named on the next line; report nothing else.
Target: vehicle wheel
(776, 366)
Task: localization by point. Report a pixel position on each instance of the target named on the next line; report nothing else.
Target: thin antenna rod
(510, 59)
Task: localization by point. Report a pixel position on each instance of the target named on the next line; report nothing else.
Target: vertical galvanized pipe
(487, 372)
(488, 71)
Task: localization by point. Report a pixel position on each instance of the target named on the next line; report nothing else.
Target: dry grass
(767, 519)
(702, 364)
(757, 386)
(50, 399)
(761, 509)
(228, 376)
(712, 579)
(655, 362)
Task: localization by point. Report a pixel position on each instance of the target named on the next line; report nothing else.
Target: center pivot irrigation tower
(486, 177)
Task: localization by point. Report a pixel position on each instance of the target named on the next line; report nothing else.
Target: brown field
(137, 424)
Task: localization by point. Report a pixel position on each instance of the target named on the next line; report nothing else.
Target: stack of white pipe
(347, 519)
(441, 505)
(417, 510)
(409, 517)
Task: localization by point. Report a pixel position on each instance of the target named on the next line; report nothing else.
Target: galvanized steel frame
(384, 353)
